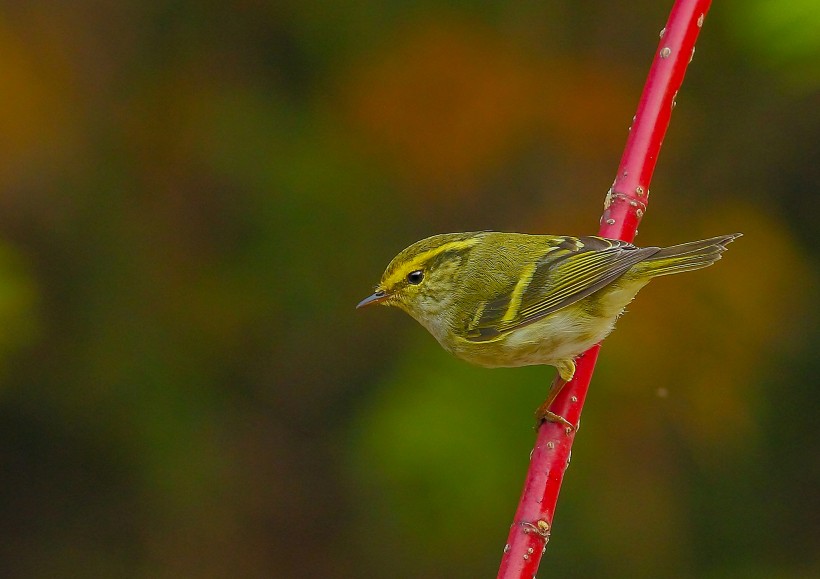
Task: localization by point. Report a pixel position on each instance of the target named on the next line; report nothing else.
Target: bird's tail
(685, 257)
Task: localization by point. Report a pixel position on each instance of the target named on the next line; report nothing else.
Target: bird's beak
(376, 298)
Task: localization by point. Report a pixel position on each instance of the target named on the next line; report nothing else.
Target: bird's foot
(566, 369)
(544, 414)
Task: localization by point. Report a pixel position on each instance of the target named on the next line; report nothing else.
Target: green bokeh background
(194, 195)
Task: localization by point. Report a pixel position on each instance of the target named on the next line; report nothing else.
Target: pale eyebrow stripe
(427, 255)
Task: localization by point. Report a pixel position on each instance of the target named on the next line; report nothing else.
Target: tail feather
(686, 256)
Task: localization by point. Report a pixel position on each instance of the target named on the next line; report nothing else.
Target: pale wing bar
(591, 264)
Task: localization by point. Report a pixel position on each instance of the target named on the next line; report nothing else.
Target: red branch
(624, 206)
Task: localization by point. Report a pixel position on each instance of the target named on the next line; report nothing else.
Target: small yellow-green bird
(511, 299)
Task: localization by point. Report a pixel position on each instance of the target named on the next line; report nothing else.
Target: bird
(499, 299)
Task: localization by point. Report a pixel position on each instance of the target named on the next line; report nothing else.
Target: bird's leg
(566, 370)
(544, 414)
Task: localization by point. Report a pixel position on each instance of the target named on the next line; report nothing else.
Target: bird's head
(423, 279)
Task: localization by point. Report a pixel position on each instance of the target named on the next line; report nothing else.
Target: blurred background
(195, 195)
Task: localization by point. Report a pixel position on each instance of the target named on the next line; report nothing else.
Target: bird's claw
(546, 415)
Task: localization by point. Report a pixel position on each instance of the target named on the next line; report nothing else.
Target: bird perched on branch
(511, 299)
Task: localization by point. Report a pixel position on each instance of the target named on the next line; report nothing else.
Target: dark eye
(415, 277)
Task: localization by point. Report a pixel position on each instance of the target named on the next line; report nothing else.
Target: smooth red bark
(625, 205)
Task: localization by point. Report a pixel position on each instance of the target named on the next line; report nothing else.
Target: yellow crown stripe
(419, 260)
(518, 292)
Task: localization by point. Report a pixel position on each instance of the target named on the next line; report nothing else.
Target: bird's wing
(573, 269)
